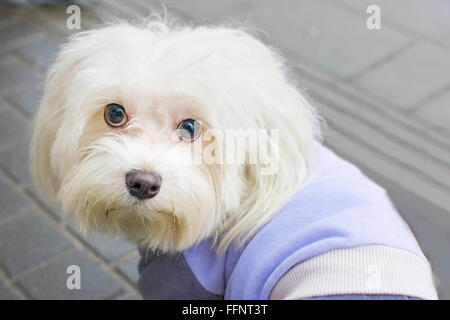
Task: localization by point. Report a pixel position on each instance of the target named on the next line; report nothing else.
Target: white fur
(163, 74)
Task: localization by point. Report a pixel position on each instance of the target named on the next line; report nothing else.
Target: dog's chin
(165, 226)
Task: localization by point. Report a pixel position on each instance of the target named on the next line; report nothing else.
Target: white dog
(127, 109)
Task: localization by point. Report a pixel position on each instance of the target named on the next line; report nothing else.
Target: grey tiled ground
(6, 293)
(14, 72)
(109, 249)
(436, 111)
(428, 20)
(304, 33)
(12, 201)
(385, 95)
(409, 85)
(128, 268)
(20, 253)
(45, 282)
(19, 33)
(14, 152)
(40, 53)
(36, 247)
(26, 98)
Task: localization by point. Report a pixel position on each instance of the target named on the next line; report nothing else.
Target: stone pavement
(385, 96)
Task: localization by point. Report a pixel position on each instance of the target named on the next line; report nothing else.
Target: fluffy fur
(162, 74)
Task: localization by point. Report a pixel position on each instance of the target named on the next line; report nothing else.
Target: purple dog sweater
(335, 236)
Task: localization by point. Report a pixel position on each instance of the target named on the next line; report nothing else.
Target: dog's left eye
(189, 129)
(115, 115)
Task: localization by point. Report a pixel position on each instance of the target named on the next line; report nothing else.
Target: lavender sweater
(340, 236)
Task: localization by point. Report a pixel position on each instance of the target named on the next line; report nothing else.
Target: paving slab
(27, 99)
(14, 151)
(218, 10)
(6, 18)
(13, 201)
(14, 72)
(41, 53)
(28, 241)
(18, 34)
(50, 282)
(12, 127)
(430, 19)
(6, 293)
(130, 296)
(335, 39)
(376, 138)
(410, 77)
(130, 268)
(111, 248)
(437, 111)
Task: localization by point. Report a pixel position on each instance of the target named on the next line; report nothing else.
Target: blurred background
(385, 95)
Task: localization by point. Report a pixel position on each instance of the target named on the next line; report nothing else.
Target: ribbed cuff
(371, 269)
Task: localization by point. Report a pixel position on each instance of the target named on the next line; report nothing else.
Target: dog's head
(139, 129)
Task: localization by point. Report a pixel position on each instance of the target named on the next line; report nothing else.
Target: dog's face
(130, 113)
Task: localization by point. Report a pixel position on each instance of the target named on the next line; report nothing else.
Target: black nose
(142, 184)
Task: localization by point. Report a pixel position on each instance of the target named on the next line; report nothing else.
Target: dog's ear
(48, 120)
(286, 161)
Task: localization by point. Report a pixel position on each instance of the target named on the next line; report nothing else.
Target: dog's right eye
(115, 115)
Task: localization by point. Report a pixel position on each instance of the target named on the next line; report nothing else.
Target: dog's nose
(142, 184)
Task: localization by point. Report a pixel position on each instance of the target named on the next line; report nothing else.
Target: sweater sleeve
(364, 272)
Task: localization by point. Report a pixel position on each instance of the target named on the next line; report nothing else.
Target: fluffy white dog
(133, 138)
(114, 100)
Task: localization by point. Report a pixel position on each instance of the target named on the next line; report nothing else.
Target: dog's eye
(189, 129)
(115, 115)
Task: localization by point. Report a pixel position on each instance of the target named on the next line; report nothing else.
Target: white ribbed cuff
(371, 269)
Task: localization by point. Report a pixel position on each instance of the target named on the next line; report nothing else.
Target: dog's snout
(142, 184)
